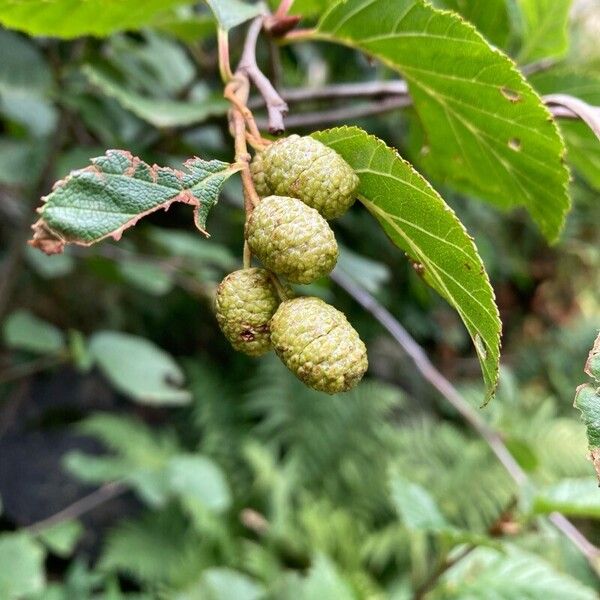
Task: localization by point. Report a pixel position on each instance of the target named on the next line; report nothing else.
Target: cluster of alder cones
(302, 183)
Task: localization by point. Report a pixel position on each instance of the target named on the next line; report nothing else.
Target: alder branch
(276, 105)
(492, 437)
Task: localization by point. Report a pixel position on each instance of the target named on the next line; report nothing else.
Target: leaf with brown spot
(116, 191)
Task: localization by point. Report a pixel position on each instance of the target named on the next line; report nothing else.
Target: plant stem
(276, 106)
(30, 368)
(452, 395)
(82, 506)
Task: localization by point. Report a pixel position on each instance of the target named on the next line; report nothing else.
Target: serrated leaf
(231, 13)
(490, 17)
(572, 497)
(489, 133)
(73, 18)
(419, 222)
(21, 566)
(138, 368)
(24, 331)
(545, 29)
(116, 191)
(504, 575)
(159, 112)
(583, 147)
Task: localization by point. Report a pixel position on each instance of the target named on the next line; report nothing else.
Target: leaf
(545, 29)
(488, 132)
(190, 28)
(73, 18)
(157, 111)
(222, 583)
(370, 274)
(147, 277)
(62, 537)
(116, 191)
(198, 480)
(583, 148)
(25, 83)
(487, 573)
(415, 506)
(139, 369)
(231, 13)
(419, 222)
(587, 400)
(24, 331)
(490, 17)
(21, 566)
(324, 581)
(572, 497)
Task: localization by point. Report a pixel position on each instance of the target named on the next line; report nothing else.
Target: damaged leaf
(116, 191)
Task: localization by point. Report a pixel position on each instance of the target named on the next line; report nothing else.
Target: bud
(317, 343)
(291, 239)
(304, 168)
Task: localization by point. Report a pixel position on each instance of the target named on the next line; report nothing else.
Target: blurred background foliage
(215, 476)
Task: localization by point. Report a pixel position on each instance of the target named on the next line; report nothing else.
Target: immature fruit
(291, 239)
(245, 302)
(315, 341)
(303, 168)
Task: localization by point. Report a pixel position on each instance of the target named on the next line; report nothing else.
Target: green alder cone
(303, 168)
(244, 304)
(317, 343)
(291, 239)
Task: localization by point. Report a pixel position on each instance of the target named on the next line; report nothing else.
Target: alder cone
(304, 168)
(244, 304)
(291, 239)
(317, 343)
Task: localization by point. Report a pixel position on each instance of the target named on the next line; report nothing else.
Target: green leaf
(583, 147)
(490, 17)
(230, 13)
(415, 506)
(62, 537)
(324, 581)
(190, 28)
(587, 400)
(488, 132)
(116, 191)
(545, 29)
(73, 18)
(21, 566)
(487, 573)
(572, 497)
(147, 277)
(159, 112)
(139, 369)
(25, 82)
(24, 331)
(420, 223)
(198, 481)
(222, 583)
(20, 161)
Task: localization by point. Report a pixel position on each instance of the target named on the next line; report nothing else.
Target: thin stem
(580, 109)
(345, 113)
(31, 368)
(283, 9)
(276, 106)
(452, 395)
(247, 256)
(339, 90)
(82, 506)
(224, 64)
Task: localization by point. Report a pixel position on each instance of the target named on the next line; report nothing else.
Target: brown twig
(31, 368)
(82, 506)
(453, 396)
(276, 106)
